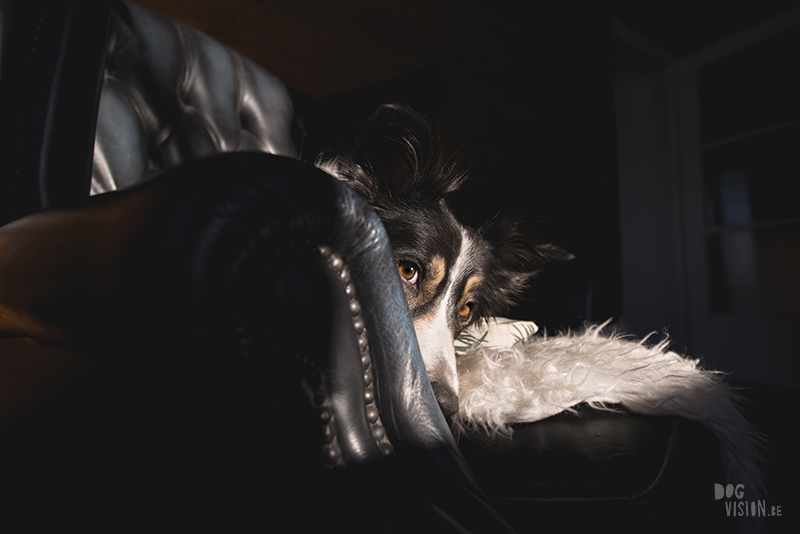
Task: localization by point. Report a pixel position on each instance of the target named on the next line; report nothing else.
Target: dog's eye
(409, 271)
(465, 310)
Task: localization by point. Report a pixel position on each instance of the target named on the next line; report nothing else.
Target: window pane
(756, 270)
(754, 180)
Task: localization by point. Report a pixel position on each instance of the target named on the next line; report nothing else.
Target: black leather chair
(574, 472)
(246, 354)
(243, 355)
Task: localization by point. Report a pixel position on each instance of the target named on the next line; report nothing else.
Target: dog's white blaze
(436, 346)
(436, 339)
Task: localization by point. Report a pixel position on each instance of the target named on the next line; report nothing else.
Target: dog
(453, 275)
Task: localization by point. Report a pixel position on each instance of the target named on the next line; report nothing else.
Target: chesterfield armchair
(207, 330)
(198, 329)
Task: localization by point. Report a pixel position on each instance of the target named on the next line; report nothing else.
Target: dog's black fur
(453, 275)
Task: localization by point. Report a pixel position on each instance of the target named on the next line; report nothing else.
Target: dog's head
(453, 275)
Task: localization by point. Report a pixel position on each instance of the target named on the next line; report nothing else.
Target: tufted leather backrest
(171, 94)
(210, 271)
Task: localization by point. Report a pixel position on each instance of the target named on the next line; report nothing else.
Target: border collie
(453, 275)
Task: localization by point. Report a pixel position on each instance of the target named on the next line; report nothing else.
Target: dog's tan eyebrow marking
(470, 288)
(434, 275)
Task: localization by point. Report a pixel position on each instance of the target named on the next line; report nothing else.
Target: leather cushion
(599, 468)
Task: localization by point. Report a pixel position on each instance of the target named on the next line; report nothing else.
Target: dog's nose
(447, 399)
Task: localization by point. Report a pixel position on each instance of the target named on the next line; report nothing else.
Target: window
(750, 131)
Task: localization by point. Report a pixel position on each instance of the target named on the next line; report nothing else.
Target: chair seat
(576, 471)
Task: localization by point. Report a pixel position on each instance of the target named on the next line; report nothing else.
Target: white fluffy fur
(543, 376)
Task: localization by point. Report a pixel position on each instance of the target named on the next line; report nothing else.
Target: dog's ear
(517, 255)
(395, 153)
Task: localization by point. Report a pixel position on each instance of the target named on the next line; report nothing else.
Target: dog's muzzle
(436, 345)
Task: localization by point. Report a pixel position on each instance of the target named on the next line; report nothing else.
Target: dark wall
(530, 107)
(557, 168)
